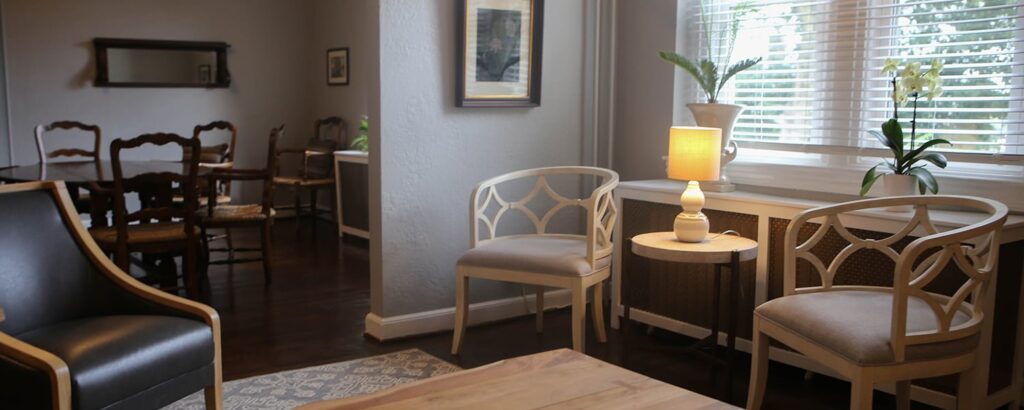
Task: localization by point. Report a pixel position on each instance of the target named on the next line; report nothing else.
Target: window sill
(846, 181)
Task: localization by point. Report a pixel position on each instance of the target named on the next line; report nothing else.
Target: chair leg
(579, 317)
(966, 395)
(758, 367)
(597, 306)
(313, 209)
(540, 309)
(266, 248)
(230, 242)
(298, 206)
(461, 311)
(861, 390)
(903, 395)
(214, 396)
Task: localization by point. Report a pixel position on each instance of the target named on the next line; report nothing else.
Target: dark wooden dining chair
(316, 171)
(214, 156)
(159, 227)
(227, 216)
(79, 198)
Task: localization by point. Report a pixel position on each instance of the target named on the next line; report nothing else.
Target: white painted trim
(7, 86)
(386, 328)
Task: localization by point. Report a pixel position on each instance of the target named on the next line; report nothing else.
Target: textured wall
(50, 70)
(643, 87)
(432, 154)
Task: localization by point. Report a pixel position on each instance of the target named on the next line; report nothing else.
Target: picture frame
(204, 74)
(338, 66)
(498, 53)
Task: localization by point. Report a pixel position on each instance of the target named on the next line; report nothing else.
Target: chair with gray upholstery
(76, 332)
(876, 334)
(541, 257)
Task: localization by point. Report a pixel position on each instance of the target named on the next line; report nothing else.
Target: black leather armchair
(79, 333)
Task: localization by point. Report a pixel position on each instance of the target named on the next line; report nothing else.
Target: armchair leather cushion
(112, 358)
(556, 255)
(856, 324)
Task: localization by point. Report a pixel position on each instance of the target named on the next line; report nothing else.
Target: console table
(353, 210)
(676, 297)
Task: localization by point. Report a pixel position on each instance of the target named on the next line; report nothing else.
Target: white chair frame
(601, 214)
(978, 262)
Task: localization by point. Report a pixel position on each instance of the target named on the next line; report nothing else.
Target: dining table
(93, 176)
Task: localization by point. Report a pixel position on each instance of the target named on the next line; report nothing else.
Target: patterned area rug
(293, 388)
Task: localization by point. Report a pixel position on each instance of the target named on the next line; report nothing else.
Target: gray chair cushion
(856, 324)
(556, 255)
(112, 358)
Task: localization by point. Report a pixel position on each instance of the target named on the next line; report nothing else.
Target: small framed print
(499, 53)
(204, 74)
(337, 66)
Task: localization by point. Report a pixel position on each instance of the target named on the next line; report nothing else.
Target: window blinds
(819, 87)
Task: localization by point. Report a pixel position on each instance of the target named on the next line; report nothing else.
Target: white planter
(721, 116)
(899, 185)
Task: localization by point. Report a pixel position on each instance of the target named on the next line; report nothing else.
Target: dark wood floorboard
(313, 313)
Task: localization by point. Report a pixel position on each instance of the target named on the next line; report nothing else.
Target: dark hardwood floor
(314, 311)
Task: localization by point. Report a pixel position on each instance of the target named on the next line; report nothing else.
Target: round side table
(718, 249)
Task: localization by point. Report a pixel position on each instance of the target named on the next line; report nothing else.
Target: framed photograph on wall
(499, 53)
(337, 66)
(204, 74)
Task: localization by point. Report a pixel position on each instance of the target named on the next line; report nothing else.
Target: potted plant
(907, 172)
(362, 140)
(711, 80)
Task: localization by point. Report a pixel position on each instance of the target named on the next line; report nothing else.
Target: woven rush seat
(221, 199)
(298, 181)
(232, 213)
(142, 233)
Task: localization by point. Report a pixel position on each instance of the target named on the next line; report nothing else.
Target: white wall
(50, 69)
(431, 153)
(643, 87)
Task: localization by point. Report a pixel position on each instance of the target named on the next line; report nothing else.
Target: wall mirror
(161, 63)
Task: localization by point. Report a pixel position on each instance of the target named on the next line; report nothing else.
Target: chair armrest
(32, 377)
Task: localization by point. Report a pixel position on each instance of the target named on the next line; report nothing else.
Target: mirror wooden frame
(222, 79)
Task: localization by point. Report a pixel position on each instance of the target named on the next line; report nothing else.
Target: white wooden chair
(543, 259)
(872, 335)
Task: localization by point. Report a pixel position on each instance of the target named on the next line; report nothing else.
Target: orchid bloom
(891, 66)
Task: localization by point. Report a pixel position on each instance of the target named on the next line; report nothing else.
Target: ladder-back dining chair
(880, 334)
(541, 258)
(227, 216)
(159, 227)
(214, 156)
(316, 169)
(81, 200)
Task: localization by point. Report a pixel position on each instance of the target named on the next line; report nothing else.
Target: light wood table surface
(559, 379)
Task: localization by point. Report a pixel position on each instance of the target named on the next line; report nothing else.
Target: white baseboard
(385, 328)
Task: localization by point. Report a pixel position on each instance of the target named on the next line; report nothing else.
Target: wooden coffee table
(557, 379)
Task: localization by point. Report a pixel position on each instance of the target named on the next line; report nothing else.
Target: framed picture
(204, 74)
(499, 53)
(337, 66)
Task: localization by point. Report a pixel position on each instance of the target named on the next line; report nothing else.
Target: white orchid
(890, 66)
(911, 70)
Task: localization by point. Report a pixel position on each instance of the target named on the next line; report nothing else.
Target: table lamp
(694, 154)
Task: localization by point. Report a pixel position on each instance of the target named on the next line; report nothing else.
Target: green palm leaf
(736, 69)
(690, 68)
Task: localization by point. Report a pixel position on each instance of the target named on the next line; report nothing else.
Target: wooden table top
(79, 172)
(561, 379)
(716, 248)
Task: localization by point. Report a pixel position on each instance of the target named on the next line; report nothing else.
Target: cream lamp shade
(694, 153)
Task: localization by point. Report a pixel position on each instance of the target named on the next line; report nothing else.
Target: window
(819, 87)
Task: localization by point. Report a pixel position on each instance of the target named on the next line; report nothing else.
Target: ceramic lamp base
(691, 227)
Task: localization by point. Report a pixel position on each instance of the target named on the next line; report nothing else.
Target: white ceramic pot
(721, 116)
(899, 185)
